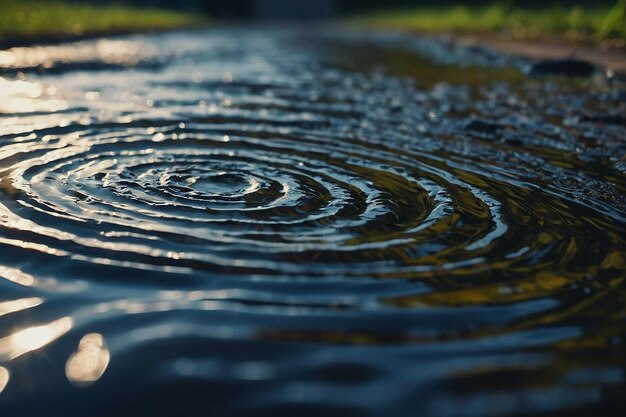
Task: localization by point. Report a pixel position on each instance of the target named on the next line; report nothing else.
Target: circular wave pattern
(278, 197)
(275, 203)
(353, 214)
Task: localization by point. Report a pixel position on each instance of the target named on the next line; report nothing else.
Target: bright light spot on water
(254, 186)
(31, 90)
(118, 52)
(4, 378)
(92, 95)
(88, 363)
(8, 307)
(24, 97)
(33, 338)
(7, 59)
(16, 276)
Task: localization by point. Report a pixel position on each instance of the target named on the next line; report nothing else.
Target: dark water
(252, 222)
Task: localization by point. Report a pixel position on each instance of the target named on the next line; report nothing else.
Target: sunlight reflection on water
(119, 52)
(89, 362)
(4, 378)
(25, 97)
(33, 338)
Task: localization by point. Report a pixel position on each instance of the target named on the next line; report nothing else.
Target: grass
(575, 22)
(21, 20)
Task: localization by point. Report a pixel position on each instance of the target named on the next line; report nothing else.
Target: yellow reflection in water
(8, 307)
(22, 97)
(4, 378)
(89, 362)
(33, 338)
(119, 52)
(16, 276)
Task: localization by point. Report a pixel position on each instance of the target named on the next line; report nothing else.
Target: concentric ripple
(256, 221)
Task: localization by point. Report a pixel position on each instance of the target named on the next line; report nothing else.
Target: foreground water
(252, 222)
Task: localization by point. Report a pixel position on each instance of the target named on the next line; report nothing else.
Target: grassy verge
(23, 20)
(575, 22)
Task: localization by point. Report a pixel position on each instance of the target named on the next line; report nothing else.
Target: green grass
(41, 19)
(592, 23)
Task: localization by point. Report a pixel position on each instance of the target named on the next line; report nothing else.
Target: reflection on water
(16, 276)
(89, 362)
(8, 307)
(25, 97)
(258, 223)
(83, 54)
(33, 338)
(4, 378)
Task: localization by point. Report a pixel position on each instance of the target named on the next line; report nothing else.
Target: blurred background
(32, 21)
(264, 9)
(267, 9)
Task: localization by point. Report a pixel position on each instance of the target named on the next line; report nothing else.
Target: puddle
(257, 222)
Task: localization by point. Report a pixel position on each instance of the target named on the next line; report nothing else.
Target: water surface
(268, 222)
